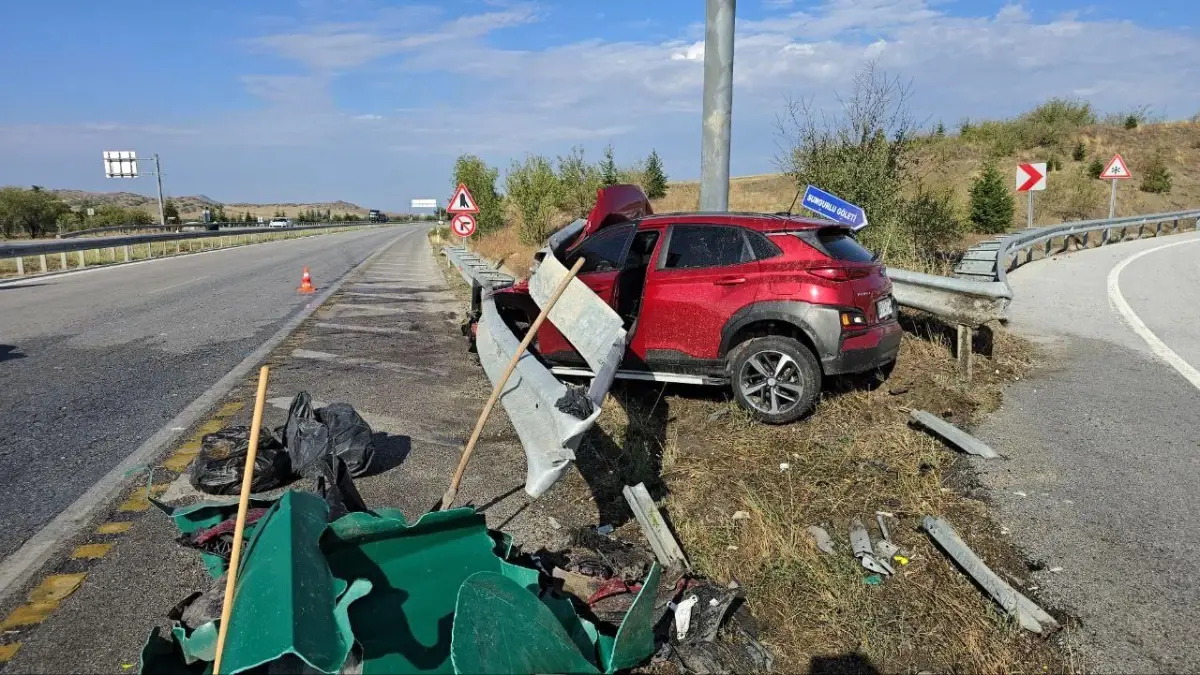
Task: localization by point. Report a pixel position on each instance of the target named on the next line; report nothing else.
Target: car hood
(616, 204)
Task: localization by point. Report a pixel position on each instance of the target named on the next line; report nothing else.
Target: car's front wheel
(776, 378)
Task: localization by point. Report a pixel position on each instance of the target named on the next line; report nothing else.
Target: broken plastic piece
(860, 543)
(959, 438)
(683, 616)
(1029, 615)
(821, 538)
(662, 542)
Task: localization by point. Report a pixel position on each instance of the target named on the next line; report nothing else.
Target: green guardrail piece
(373, 592)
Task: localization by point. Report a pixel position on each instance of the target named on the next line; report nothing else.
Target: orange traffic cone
(306, 283)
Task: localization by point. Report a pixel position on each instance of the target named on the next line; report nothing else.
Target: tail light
(853, 320)
(840, 273)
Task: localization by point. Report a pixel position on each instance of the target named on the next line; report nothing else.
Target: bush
(34, 212)
(991, 203)
(939, 131)
(1081, 197)
(932, 221)
(532, 188)
(608, 168)
(654, 180)
(1157, 177)
(480, 179)
(1131, 122)
(577, 183)
(1095, 168)
(1049, 125)
(1080, 152)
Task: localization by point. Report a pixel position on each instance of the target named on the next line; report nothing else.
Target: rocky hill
(191, 206)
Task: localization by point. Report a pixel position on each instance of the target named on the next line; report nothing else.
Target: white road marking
(1160, 348)
(182, 283)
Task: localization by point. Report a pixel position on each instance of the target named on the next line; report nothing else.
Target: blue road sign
(839, 210)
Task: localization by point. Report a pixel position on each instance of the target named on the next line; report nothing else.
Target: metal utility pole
(162, 213)
(718, 105)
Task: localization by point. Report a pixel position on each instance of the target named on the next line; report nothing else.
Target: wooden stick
(239, 528)
(452, 492)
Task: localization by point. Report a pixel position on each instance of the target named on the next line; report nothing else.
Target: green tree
(34, 212)
(608, 168)
(654, 180)
(1095, 168)
(991, 202)
(939, 131)
(1157, 177)
(480, 179)
(532, 188)
(1080, 152)
(578, 182)
(1131, 121)
(170, 211)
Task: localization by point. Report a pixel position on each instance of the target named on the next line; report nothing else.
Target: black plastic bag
(222, 459)
(332, 481)
(337, 429)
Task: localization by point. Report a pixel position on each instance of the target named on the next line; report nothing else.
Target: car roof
(763, 222)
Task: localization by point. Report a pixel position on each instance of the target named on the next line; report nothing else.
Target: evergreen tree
(1095, 168)
(654, 180)
(1080, 152)
(991, 203)
(1157, 178)
(608, 168)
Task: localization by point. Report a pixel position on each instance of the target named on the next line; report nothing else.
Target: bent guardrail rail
(550, 417)
(990, 260)
(19, 250)
(960, 301)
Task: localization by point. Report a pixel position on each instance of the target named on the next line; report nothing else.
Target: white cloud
(367, 118)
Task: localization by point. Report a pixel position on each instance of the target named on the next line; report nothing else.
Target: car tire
(776, 379)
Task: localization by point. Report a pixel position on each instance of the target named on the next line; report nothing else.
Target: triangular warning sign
(1116, 168)
(462, 201)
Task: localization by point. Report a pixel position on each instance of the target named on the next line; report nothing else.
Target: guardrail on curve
(989, 260)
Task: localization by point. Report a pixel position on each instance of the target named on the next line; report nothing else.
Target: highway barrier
(992, 260)
(79, 247)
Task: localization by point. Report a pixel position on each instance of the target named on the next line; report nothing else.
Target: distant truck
(377, 216)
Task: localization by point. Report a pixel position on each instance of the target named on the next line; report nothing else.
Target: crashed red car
(768, 305)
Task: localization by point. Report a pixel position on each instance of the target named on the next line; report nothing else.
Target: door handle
(730, 281)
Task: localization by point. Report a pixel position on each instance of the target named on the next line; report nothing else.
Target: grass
(106, 256)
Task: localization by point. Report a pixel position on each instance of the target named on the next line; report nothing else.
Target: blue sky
(370, 101)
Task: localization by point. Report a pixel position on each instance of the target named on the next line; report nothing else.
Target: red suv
(767, 304)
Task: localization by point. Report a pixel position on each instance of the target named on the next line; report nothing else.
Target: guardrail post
(176, 247)
(966, 336)
(149, 250)
(1104, 237)
(1085, 239)
(1176, 230)
(126, 252)
(62, 259)
(82, 262)
(20, 266)
(112, 253)
(1158, 228)
(42, 259)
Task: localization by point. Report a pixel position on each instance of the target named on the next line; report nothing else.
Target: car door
(603, 255)
(702, 275)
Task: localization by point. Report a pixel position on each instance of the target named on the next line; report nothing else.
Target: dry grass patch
(705, 459)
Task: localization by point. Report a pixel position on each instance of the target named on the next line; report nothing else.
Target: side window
(602, 252)
(761, 246)
(694, 246)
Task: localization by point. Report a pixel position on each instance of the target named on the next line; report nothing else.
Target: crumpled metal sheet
(548, 435)
(588, 323)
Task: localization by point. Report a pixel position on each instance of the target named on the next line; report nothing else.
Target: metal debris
(662, 542)
(604, 529)
(821, 538)
(860, 543)
(959, 438)
(1029, 615)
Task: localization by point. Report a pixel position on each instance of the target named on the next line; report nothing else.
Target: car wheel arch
(768, 319)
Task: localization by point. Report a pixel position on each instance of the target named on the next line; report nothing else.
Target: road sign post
(834, 208)
(1031, 178)
(123, 164)
(1116, 170)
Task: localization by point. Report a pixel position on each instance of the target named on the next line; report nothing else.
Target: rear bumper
(876, 347)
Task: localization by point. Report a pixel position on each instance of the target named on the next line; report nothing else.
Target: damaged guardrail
(549, 416)
(477, 272)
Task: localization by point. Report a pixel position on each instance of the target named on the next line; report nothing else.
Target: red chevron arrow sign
(1031, 177)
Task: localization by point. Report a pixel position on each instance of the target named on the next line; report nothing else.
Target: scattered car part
(1029, 615)
(821, 538)
(959, 438)
(662, 542)
(683, 616)
(860, 544)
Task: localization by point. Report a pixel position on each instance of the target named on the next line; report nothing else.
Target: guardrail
(990, 260)
(19, 250)
(549, 416)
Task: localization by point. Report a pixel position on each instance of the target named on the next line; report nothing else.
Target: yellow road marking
(210, 427)
(230, 409)
(56, 587)
(179, 461)
(114, 528)
(132, 504)
(8, 651)
(91, 551)
(28, 615)
(155, 490)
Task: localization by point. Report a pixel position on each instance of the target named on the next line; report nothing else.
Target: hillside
(190, 207)
(953, 162)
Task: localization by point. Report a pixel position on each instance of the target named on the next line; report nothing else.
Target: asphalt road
(388, 343)
(94, 363)
(1104, 449)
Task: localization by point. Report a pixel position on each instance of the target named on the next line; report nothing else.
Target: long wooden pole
(452, 492)
(239, 528)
